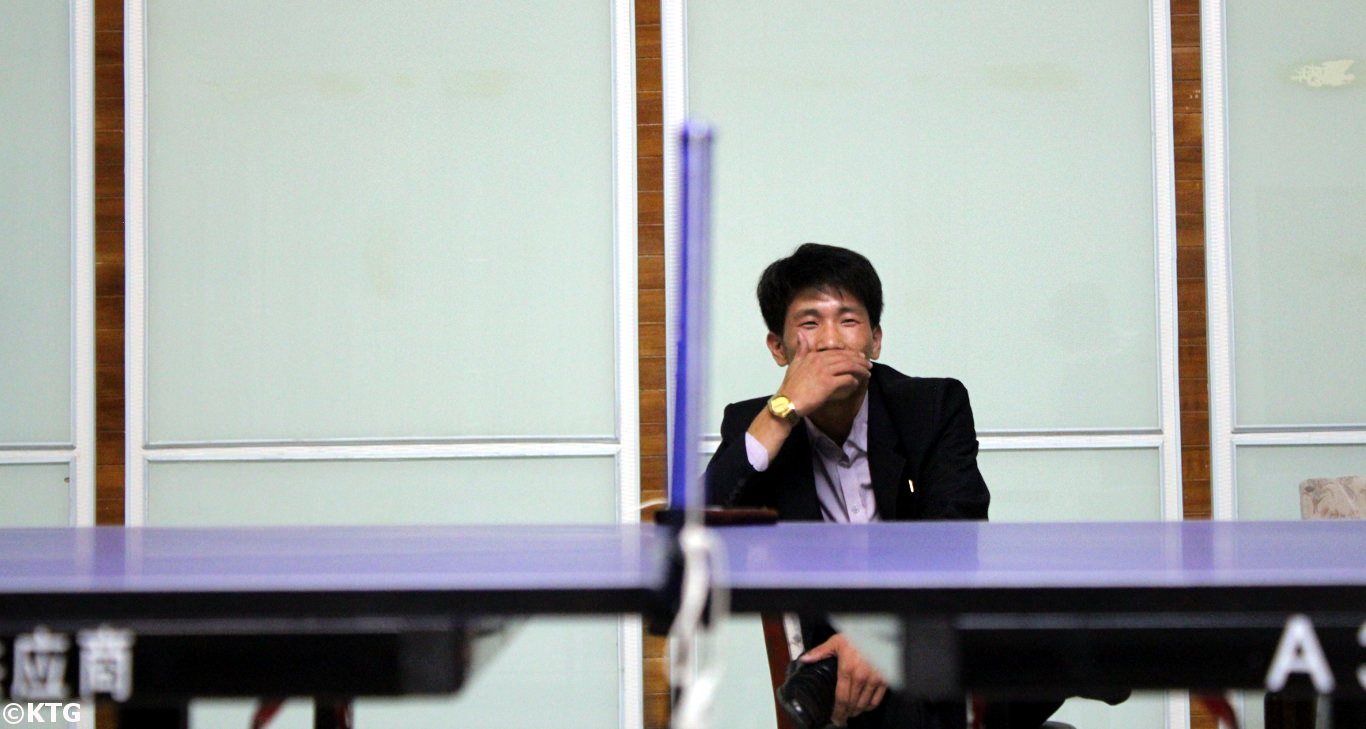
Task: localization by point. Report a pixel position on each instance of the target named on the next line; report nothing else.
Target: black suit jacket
(920, 430)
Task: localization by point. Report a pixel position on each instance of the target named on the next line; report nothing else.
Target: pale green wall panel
(35, 222)
(554, 672)
(1073, 485)
(1297, 209)
(33, 495)
(744, 699)
(995, 163)
(1142, 709)
(464, 491)
(1269, 476)
(379, 220)
(571, 666)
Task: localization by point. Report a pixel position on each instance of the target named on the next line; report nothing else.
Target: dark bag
(808, 693)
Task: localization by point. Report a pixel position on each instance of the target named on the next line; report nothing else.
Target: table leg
(1348, 714)
(331, 714)
(1284, 712)
(153, 717)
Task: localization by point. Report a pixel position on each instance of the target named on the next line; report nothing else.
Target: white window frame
(1166, 439)
(1225, 433)
(78, 454)
(624, 447)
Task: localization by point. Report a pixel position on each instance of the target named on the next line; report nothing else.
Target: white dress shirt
(844, 486)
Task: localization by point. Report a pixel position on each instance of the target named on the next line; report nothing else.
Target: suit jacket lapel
(886, 462)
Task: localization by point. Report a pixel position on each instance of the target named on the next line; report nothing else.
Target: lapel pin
(910, 485)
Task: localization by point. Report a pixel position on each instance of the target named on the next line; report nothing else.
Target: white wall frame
(1217, 269)
(1167, 438)
(1164, 212)
(626, 247)
(79, 454)
(625, 446)
(83, 261)
(1225, 433)
(630, 633)
(135, 261)
(674, 57)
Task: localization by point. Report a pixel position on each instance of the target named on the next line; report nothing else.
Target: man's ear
(877, 342)
(775, 348)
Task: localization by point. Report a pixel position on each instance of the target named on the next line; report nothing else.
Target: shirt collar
(858, 432)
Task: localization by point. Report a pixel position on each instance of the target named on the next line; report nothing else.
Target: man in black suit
(847, 440)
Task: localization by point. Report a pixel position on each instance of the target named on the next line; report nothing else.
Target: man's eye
(807, 325)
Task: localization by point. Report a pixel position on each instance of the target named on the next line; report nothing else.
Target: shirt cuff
(757, 453)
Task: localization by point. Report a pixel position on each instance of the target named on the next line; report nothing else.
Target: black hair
(821, 267)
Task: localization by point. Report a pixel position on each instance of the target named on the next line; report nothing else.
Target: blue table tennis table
(379, 611)
(327, 612)
(1018, 609)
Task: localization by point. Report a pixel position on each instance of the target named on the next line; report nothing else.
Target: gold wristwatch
(783, 408)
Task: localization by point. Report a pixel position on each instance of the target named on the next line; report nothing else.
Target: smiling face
(824, 320)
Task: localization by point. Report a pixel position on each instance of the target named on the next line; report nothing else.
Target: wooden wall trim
(1192, 342)
(652, 341)
(109, 401)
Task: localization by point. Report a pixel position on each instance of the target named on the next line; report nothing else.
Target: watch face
(781, 406)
